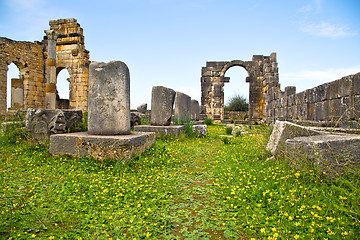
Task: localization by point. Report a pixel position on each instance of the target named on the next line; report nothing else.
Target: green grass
(184, 188)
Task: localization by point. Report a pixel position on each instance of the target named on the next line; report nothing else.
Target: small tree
(237, 103)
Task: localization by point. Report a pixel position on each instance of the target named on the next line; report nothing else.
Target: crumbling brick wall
(33, 63)
(29, 58)
(336, 103)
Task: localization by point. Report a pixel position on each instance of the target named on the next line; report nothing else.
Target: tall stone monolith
(182, 108)
(109, 99)
(162, 102)
(195, 110)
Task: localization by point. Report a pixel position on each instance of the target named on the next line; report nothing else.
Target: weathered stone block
(356, 111)
(142, 108)
(290, 90)
(320, 93)
(162, 102)
(334, 91)
(329, 154)
(200, 129)
(182, 110)
(41, 123)
(356, 84)
(319, 111)
(195, 110)
(121, 147)
(109, 98)
(286, 130)
(326, 116)
(345, 86)
(174, 130)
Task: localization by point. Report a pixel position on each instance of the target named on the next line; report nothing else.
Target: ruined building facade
(336, 103)
(39, 63)
(262, 76)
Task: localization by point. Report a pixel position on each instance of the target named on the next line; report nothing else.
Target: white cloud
(326, 29)
(309, 79)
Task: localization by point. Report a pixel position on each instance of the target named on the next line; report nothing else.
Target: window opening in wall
(235, 91)
(63, 89)
(12, 73)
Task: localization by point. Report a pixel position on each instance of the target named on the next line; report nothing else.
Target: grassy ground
(184, 188)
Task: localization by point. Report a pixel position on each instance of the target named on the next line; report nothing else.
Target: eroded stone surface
(142, 108)
(329, 154)
(41, 123)
(109, 99)
(286, 130)
(162, 102)
(200, 129)
(120, 147)
(195, 110)
(174, 130)
(182, 109)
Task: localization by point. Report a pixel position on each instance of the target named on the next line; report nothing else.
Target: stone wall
(35, 64)
(29, 59)
(335, 103)
(72, 55)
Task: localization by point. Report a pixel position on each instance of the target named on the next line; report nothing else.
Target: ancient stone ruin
(262, 75)
(162, 102)
(109, 119)
(39, 64)
(331, 104)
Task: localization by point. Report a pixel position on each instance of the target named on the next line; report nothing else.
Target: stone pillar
(51, 69)
(109, 99)
(182, 107)
(195, 110)
(162, 102)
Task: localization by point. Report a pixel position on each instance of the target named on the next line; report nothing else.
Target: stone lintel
(119, 147)
(174, 130)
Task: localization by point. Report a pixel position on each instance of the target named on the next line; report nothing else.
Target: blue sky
(166, 42)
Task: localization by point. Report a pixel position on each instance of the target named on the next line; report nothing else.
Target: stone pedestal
(120, 147)
(161, 130)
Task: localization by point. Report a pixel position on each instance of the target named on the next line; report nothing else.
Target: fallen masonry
(331, 153)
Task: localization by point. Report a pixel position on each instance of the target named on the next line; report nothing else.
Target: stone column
(51, 69)
(182, 110)
(109, 99)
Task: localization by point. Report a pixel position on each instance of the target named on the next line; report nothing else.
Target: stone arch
(72, 55)
(28, 57)
(213, 79)
(63, 103)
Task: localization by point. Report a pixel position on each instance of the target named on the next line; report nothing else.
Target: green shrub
(229, 130)
(237, 103)
(208, 121)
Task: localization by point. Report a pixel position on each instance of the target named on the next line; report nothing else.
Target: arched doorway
(62, 89)
(14, 89)
(236, 93)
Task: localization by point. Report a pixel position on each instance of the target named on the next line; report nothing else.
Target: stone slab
(174, 130)
(284, 130)
(120, 147)
(200, 130)
(330, 154)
